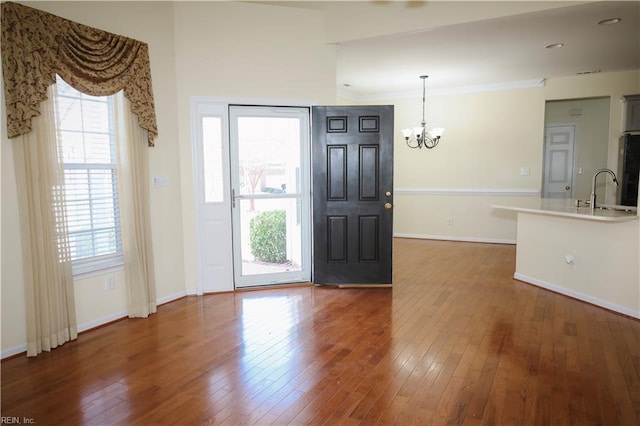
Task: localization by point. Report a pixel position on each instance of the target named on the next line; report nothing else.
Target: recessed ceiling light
(554, 46)
(609, 21)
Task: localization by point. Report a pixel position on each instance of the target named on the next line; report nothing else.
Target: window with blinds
(85, 131)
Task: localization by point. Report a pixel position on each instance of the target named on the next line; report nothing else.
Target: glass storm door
(270, 195)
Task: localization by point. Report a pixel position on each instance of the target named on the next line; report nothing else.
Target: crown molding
(494, 87)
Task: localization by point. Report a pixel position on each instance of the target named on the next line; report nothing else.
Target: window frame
(101, 263)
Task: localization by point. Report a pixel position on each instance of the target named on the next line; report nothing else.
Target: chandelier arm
(418, 143)
(432, 143)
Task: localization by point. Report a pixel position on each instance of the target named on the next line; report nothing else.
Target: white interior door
(270, 184)
(558, 161)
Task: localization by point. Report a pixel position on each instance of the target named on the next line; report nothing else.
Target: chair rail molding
(491, 192)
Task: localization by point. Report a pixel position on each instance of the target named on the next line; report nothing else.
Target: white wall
(240, 50)
(446, 192)
(489, 137)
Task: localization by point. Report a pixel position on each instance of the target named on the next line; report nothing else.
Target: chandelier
(418, 137)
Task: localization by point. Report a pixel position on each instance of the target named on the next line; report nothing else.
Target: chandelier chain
(424, 100)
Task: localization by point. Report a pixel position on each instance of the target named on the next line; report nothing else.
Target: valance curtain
(37, 45)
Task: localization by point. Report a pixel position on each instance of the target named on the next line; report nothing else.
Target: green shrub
(268, 236)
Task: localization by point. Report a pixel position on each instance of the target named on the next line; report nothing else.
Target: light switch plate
(160, 180)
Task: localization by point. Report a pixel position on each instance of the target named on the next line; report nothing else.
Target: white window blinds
(85, 131)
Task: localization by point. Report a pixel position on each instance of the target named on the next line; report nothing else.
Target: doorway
(251, 170)
(252, 195)
(589, 118)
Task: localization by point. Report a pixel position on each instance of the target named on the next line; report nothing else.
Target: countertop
(567, 208)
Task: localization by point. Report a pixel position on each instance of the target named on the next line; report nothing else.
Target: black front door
(352, 160)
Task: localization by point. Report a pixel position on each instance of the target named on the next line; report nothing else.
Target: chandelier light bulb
(437, 132)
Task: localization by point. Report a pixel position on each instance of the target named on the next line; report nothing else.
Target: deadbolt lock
(388, 193)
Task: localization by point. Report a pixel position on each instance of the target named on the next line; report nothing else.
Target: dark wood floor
(455, 341)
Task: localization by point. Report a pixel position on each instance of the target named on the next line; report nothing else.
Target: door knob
(568, 187)
(388, 206)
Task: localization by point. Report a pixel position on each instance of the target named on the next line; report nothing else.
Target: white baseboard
(101, 321)
(577, 295)
(124, 314)
(98, 322)
(171, 297)
(454, 238)
(14, 351)
(81, 327)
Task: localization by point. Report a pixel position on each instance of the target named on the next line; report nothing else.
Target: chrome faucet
(592, 199)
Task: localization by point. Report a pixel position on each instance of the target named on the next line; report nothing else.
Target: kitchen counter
(567, 208)
(588, 255)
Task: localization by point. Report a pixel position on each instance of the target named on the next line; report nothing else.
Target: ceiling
(504, 51)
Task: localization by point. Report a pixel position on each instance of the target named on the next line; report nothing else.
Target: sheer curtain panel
(135, 214)
(48, 280)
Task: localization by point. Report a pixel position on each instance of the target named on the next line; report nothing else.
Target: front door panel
(353, 194)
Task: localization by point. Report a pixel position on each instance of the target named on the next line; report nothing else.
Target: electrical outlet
(109, 283)
(450, 221)
(525, 171)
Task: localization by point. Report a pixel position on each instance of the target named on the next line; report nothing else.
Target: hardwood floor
(455, 341)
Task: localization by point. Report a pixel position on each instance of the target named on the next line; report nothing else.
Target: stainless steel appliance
(629, 168)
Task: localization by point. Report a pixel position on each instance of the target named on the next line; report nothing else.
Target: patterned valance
(37, 45)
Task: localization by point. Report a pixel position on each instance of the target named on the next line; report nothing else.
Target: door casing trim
(199, 101)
